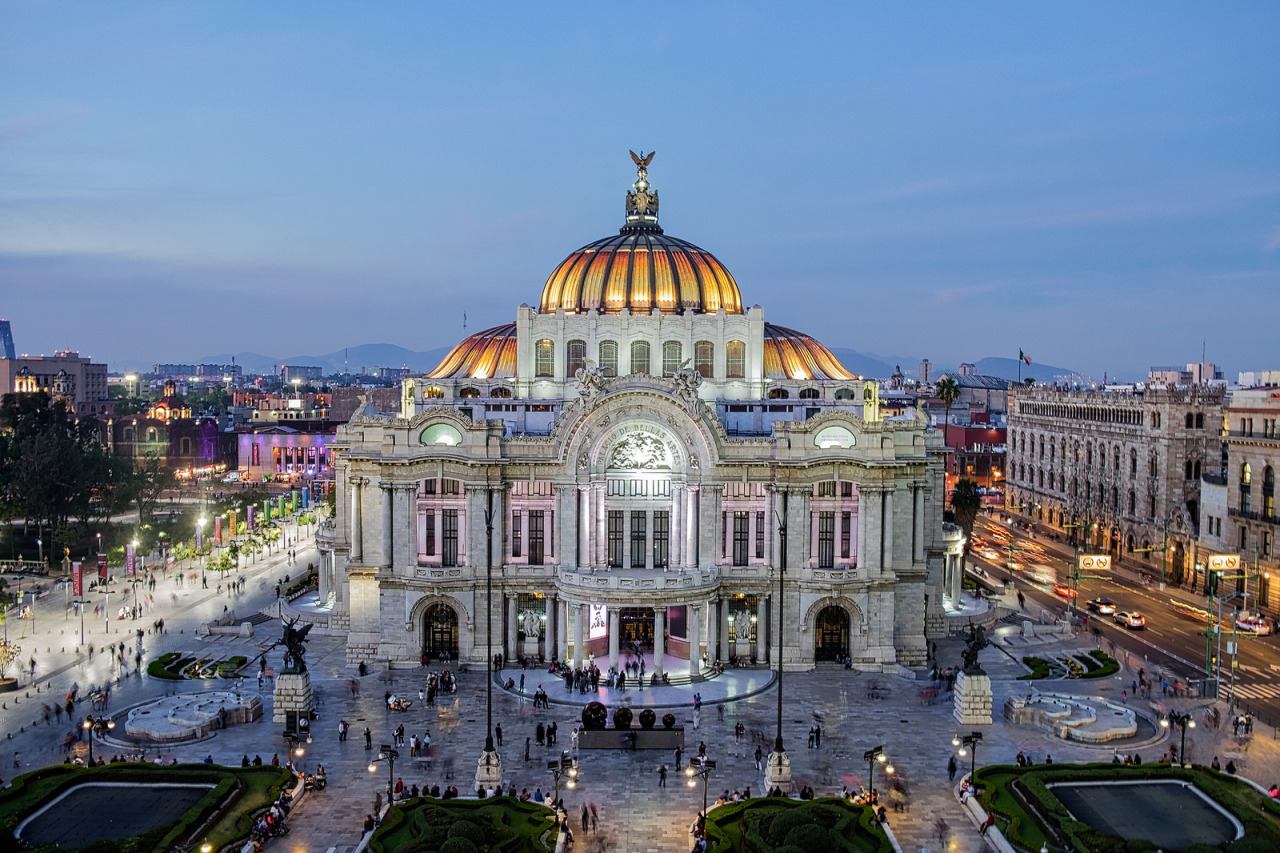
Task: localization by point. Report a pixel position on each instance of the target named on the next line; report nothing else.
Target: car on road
(1131, 619)
(1103, 606)
(1065, 591)
(1255, 623)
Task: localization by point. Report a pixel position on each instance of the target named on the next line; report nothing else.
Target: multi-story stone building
(1240, 500)
(1128, 465)
(640, 461)
(65, 375)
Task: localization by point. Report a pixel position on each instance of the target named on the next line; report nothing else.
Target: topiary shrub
(780, 827)
(468, 830)
(810, 837)
(458, 845)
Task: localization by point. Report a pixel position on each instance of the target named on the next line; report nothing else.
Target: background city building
(65, 375)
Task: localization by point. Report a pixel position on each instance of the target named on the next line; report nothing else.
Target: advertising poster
(217, 530)
(199, 538)
(77, 579)
(232, 522)
(130, 560)
(102, 566)
(248, 517)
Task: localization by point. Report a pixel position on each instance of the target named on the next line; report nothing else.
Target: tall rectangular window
(639, 533)
(516, 533)
(544, 358)
(661, 539)
(704, 353)
(450, 536)
(575, 357)
(536, 536)
(845, 522)
(429, 546)
(759, 535)
(672, 355)
(741, 537)
(640, 357)
(609, 358)
(826, 540)
(735, 358)
(617, 543)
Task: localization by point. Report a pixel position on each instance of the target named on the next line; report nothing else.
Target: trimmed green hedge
(773, 823)
(498, 825)
(1037, 817)
(159, 668)
(254, 788)
(1109, 665)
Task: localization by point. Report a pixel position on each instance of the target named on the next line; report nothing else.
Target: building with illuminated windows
(637, 459)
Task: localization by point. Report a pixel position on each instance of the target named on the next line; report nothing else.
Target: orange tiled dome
(490, 354)
(789, 354)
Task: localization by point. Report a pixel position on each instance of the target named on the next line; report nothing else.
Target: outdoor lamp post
(871, 756)
(700, 768)
(969, 743)
(40, 545)
(564, 766)
(1184, 722)
(778, 769)
(389, 755)
(90, 723)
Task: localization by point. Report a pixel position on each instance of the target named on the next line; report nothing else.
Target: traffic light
(1211, 584)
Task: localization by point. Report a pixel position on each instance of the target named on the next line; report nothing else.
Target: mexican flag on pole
(1023, 357)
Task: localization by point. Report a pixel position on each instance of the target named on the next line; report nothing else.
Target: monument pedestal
(293, 698)
(489, 770)
(777, 773)
(973, 699)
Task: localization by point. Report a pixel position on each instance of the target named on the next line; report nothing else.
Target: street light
(969, 743)
(779, 764)
(700, 767)
(90, 724)
(564, 766)
(1184, 722)
(389, 755)
(871, 756)
(489, 769)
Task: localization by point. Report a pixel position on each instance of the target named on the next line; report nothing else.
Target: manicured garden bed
(1032, 817)
(173, 666)
(235, 795)
(795, 826)
(1096, 664)
(498, 825)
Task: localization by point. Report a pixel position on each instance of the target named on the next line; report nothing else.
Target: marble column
(584, 526)
(764, 638)
(691, 528)
(722, 631)
(713, 641)
(874, 542)
(552, 632)
(917, 534)
(323, 582)
(615, 629)
(675, 558)
(579, 619)
(886, 561)
(659, 639)
(357, 520)
(562, 630)
(513, 625)
(694, 629)
(388, 555)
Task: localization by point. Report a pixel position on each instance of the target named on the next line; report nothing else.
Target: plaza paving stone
(635, 814)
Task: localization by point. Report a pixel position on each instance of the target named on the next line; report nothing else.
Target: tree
(965, 503)
(149, 481)
(949, 392)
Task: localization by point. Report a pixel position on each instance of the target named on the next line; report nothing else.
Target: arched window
(779, 394)
(1246, 487)
(845, 394)
(1191, 420)
(469, 393)
(500, 392)
(1269, 492)
(1199, 420)
(809, 394)
(128, 434)
(1154, 465)
(186, 447)
(151, 434)
(432, 392)
(1115, 456)
(672, 355)
(1186, 472)
(640, 357)
(609, 358)
(1133, 507)
(735, 356)
(704, 359)
(575, 358)
(544, 359)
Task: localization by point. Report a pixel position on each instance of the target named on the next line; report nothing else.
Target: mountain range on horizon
(355, 359)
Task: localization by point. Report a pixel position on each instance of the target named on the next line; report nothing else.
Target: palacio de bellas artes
(639, 465)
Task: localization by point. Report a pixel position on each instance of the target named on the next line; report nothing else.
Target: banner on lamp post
(293, 501)
(217, 530)
(233, 523)
(130, 560)
(248, 517)
(199, 538)
(77, 579)
(102, 566)
(306, 498)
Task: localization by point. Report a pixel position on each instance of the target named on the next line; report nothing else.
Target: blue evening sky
(1095, 183)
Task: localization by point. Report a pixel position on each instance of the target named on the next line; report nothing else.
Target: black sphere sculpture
(622, 718)
(647, 718)
(595, 716)
(668, 721)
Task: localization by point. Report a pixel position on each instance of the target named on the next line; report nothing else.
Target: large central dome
(641, 268)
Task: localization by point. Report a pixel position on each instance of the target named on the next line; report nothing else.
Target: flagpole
(1019, 367)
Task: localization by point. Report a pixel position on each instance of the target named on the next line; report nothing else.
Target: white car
(1255, 623)
(1133, 620)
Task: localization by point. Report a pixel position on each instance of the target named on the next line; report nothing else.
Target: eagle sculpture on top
(642, 161)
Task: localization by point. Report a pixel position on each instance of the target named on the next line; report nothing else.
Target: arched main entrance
(440, 631)
(831, 634)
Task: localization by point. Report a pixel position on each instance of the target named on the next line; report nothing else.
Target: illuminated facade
(638, 444)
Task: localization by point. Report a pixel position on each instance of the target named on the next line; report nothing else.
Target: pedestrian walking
(368, 738)
(662, 776)
(817, 736)
(497, 732)
(586, 817)
(760, 756)
(526, 749)
(951, 769)
(810, 737)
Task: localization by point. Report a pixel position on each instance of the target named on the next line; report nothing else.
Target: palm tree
(948, 391)
(965, 503)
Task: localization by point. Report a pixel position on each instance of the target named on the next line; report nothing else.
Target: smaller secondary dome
(641, 268)
(789, 354)
(490, 354)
